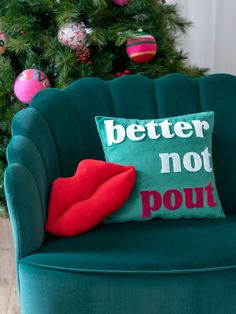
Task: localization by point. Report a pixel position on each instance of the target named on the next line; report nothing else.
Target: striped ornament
(142, 48)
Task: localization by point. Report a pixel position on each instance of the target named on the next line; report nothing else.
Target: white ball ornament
(72, 35)
(3, 43)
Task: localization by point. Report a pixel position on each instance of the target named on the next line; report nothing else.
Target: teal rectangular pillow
(173, 161)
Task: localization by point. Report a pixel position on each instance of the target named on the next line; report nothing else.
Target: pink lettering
(210, 198)
(190, 203)
(146, 201)
(172, 199)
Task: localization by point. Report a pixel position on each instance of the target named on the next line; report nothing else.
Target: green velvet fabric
(51, 137)
(58, 292)
(157, 246)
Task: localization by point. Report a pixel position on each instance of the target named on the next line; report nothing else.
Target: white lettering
(192, 162)
(200, 126)
(179, 128)
(165, 129)
(111, 129)
(137, 132)
(131, 131)
(165, 162)
(206, 159)
(151, 129)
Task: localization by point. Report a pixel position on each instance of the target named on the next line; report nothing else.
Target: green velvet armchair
(185, 266)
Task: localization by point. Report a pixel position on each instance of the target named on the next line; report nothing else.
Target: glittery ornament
(3, 43)
(72, 35)
(29, 83)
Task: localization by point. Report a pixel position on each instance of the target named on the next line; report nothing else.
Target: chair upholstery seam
(133, 272)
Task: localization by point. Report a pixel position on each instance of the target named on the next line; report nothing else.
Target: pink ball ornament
(142, 48)
(3, 43)
(72, 35)
(29, 83)
(121, 2)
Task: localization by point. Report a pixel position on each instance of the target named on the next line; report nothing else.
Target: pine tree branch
(32, 27)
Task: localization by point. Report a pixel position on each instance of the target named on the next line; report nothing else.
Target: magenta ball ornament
(121, 3)
(29, 83)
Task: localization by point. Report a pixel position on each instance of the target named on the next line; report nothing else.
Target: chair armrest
(32, 166)
(25, 210)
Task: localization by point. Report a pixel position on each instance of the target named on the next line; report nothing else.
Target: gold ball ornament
(3, 43)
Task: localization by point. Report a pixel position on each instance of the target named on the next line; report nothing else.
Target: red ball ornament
(142, 48)
(127, 72)
(121, 3)
(117, 74)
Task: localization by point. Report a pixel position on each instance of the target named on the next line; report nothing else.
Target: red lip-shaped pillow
(79, 203)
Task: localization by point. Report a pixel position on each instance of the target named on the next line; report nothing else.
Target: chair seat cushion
(157, 246)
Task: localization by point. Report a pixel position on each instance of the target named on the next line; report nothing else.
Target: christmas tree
(70, 39)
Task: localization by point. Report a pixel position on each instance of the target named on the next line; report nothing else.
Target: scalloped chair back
(131, 97)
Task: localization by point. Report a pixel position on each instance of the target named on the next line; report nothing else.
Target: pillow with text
(173, 161)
